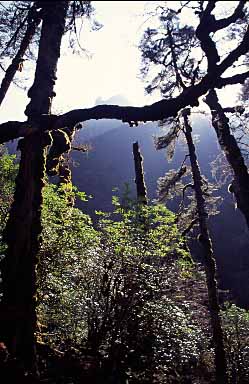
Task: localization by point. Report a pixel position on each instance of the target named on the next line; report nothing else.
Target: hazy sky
(114, 65)
(112, 69)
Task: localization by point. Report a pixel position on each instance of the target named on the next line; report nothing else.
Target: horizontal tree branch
(154, 112)
(238, 109)
(236, 79)
(12, 130)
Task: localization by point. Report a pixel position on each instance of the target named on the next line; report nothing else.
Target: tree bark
(18, 267)
(228, 143)
(23, 229)
(210, 264)
(139, 175)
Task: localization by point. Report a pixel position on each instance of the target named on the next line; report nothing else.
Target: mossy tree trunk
(23, 229)
(229, 145)
(58, 163)
(210, 264)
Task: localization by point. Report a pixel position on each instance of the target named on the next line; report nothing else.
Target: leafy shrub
(8, 172)
(68, 242)
(118, 290)
(236, 330)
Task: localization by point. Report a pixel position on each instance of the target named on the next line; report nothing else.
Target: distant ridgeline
(109, 164)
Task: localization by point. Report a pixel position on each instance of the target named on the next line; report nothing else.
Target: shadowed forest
(124, 263)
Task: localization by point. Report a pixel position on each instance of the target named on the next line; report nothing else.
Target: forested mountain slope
(109, 164)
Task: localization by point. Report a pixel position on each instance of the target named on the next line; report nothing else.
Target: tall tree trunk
(33, 22)
(24, 225)
(139, 175)
(210, 264)
(228, 143)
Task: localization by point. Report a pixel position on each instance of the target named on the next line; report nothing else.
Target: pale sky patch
(113, 68)
(115, 62)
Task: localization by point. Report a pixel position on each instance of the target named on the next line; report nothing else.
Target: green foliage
(127, 290)
(118, 290)
(143, 231)
(236, 329)
(8, 172)
(68, 239)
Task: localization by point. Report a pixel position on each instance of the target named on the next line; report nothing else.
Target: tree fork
(210, 264)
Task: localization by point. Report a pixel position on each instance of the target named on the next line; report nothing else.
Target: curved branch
(237, 14)
(205, 27)
(154, 112)
(163, 108)
(208, 24)
(15, 65)
(242, 49)
(240, 78)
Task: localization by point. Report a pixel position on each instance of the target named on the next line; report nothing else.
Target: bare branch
(240, 78)
(242, 49)
(238, 109)
(208, 24)
(238, 14)
(16, 62)
(189, 227)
